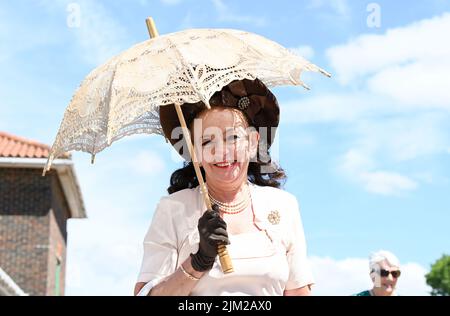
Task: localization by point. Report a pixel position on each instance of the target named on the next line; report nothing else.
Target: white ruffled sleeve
(160, 247)
(300, 273)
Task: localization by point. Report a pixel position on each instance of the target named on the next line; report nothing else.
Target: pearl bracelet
(188, 275)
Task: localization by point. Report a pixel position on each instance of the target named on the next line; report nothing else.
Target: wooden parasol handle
(225, 260)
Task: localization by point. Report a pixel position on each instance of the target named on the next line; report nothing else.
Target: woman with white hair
(384, 272)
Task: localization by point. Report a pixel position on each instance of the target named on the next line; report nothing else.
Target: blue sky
(367, 152)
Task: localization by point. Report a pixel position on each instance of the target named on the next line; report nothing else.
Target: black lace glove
(213, 232)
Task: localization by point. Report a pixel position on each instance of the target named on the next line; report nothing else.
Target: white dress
(266, 262)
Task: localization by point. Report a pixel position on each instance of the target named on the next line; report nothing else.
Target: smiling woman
(384, 272)
(261, 115)
(260, 222)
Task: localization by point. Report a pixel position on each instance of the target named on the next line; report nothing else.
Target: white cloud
(147, 162)
(409, 64)
(305, 51)
(120, 192)
(402, 137)
(139, 172)
(105, 250)
(226, 15)
(20, 40)
(402, 70)
(329, 108)
(298, 140)
(340, 7)
(395, 103)
(370, 53)
(386, 183)
(379, 144)
(356, 161)
(339, 278)
(104, 255)
(165, 2)
(413, 281)
(98, 35)
(350, 276)
(421, 84)
(358, 166)
(425, 177)
(171, 2)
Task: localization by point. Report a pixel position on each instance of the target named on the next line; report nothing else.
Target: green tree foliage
(439, 277)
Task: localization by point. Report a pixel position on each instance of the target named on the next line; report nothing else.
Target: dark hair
(272, 176)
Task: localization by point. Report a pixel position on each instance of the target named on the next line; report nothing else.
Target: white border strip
(12, 285)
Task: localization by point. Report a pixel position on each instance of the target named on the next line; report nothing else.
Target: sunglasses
(385, 273)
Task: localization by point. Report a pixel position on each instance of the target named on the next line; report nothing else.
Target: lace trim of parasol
(123, 96)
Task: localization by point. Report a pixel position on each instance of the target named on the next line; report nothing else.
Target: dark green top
(364, 293)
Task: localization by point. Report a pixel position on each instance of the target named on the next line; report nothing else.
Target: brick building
(8, 287)
(33, 216)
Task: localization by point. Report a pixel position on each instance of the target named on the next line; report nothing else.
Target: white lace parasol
(122, 97)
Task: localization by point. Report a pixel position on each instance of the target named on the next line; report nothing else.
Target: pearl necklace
(229, 208)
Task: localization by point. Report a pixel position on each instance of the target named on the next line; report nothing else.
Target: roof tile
(18, 147)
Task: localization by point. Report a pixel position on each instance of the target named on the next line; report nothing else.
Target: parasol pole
(225, 260)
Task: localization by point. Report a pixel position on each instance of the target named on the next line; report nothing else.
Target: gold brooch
(274, 217)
